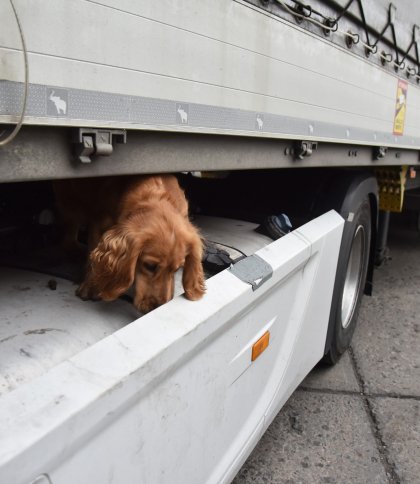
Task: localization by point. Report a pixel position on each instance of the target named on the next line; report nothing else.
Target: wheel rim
(353, 276)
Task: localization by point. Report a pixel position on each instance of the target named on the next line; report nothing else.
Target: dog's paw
(195, 291)
(86, 292)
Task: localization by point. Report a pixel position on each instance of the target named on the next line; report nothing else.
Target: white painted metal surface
(215, 66)
(40, 327)
(174, 397)
(233, 235)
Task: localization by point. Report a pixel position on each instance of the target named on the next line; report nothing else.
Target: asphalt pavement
(358, 422)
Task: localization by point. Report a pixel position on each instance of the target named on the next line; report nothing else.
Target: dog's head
(147, 249)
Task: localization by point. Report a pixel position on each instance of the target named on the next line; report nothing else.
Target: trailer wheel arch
(355, 196)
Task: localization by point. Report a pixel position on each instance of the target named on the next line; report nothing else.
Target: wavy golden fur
(139, 233)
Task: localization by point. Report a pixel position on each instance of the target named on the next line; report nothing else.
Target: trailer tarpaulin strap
(404, 60)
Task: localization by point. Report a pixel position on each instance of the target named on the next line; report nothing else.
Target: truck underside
(261, 108)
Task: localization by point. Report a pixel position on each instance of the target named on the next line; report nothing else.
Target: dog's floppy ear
(113, 262)
(193, 276)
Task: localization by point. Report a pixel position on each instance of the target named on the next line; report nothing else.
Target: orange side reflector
(261, 345)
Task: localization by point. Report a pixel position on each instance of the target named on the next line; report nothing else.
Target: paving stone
(316, 438)
(399, 425)
(340, 377)
(387, 340)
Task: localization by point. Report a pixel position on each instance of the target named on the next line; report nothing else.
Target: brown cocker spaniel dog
(138, 232)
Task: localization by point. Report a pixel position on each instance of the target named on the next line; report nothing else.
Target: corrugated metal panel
(222, 67)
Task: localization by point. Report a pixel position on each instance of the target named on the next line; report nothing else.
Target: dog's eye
(150, 267)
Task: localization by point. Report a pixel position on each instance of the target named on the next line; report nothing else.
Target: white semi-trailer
(261, 107)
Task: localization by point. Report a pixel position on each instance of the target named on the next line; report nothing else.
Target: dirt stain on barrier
(7, 339)
(42, 331)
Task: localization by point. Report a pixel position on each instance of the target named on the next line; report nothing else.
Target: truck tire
(350, 280)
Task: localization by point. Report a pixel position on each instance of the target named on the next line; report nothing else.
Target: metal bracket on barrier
(304, 149)
(379, 152)
(252, 270)
(91, 142)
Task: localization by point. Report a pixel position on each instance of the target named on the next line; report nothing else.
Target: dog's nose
(153, 305)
